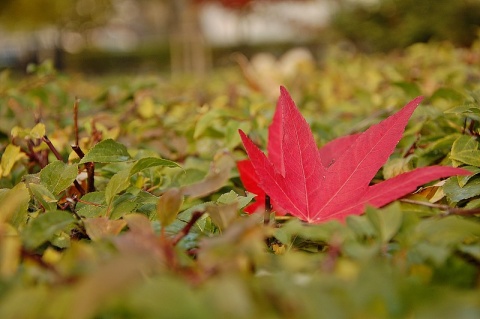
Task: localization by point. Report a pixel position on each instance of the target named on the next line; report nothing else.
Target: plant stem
(90, 166)
(447, 209)
(52, 148)
(268, 210)
(185, 230)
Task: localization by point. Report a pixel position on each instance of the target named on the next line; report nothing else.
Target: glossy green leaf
(123, 204)
(57, 176)
(92, 205)
(148, 162)
(106, 151)
(465, 150)
(118, 183)
(44, 197)
(462, 180)
(456, 193)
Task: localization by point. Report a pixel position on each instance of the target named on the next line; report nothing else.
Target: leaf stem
(447, 209)
(268, 210)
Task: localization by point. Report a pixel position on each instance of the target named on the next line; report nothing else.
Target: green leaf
(107, 151)
(472, 250)
(447, 94)
(462, 180)
(205, 121)
(11, 155)
(396, 166)
(456, 193)
(410, 88)
(436, 150)
(123, 204)
(361, 226)
(57, 176)
(465, 150)
(14, 204)
(449, 231)
(427, 251)
(468, 110)
(231, 133)
(149, 162)
(217, 176)
(387, 221)
(43, 196)
(119, 182)
(232, 197)
(45, 226)
(92, 205)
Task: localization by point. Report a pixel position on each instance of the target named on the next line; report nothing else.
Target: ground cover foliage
(143, 217)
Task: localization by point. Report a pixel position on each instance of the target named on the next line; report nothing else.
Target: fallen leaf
(333, 182)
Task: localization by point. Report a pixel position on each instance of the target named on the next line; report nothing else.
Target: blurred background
(194, 36)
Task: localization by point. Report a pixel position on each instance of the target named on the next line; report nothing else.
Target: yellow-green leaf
(57, 176)
(14, 204)
(11, 155)
(38, 131)
(119, 182)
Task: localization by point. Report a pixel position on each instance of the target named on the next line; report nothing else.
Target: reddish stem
(185, 230)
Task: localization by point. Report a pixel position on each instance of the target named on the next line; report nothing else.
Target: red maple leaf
(333, 182)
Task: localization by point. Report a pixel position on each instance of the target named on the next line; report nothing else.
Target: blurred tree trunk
(188, 50)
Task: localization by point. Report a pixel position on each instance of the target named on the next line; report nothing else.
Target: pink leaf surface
(391, 189)
(304, 171)
(334, 149)
(333, 182)
(250, 181)
(270, 179)
(349, 176)
(385, 192)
